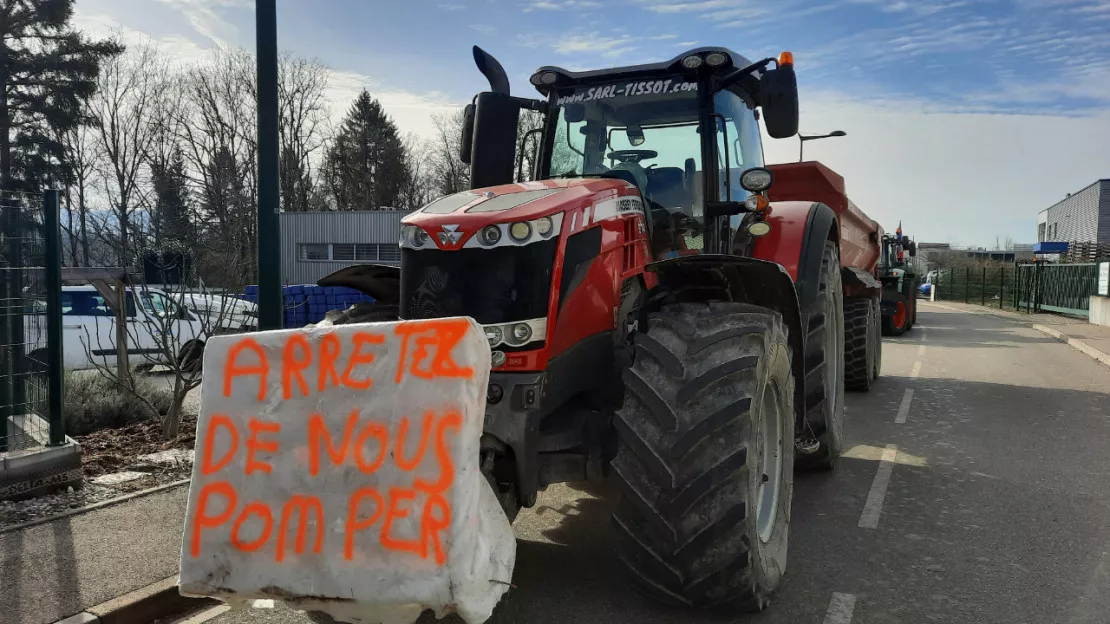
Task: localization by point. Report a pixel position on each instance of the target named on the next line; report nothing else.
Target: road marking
(840, 609)
(904, 408)
(869, 519)
(920, 350)
(916, 370)
(204, 616)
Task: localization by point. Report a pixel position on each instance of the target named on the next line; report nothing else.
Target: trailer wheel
(705, 457)
(859, 344)
(824, 366)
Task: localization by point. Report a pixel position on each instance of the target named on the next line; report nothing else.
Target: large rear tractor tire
(859, 344)
(823, 439)
(705, 457)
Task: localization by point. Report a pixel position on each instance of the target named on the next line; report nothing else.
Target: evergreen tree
(172, 226)
(365, 166)
(46, 70)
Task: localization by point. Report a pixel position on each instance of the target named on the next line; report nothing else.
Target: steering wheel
(632, 155)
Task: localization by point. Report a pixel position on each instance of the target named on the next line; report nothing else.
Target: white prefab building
(1081, 217)
(314, 244)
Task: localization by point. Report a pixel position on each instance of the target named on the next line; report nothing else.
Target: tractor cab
(682, 133)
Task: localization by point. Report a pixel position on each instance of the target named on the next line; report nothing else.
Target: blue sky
(993, 103)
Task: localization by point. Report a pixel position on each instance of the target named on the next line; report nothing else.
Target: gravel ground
(114, 451)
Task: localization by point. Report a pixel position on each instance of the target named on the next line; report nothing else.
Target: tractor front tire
(705, 457)
(897, 323)
(859, 344)
(824, 367)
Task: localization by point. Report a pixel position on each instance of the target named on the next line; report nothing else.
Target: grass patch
(93, 402)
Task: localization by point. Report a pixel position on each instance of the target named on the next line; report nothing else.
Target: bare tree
(528, 131)
(416, 190)
(80, 150)
(302, 113)
(446, 173)
(128, 89)
(217, 132)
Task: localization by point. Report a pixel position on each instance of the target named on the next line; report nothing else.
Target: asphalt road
(996, 506)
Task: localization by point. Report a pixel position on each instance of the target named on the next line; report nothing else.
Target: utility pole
(802, 138)
(270, 302)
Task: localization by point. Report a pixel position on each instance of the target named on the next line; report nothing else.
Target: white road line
(920, 350)
(869, 519)
(904, 408)
(916, 370)
(840, 609)
(204, 616)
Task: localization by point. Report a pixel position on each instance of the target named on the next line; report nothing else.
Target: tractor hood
(451, 222)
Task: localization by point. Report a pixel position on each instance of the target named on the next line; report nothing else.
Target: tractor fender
(796, 241)
(380, 281)
(719, 277)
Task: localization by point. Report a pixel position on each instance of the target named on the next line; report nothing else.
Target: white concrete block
(337, 470)
(1100, 311)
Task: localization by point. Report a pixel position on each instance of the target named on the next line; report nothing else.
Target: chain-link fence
(25, 405)
(1062, 288)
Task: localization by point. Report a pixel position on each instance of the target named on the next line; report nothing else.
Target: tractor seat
(667, 187)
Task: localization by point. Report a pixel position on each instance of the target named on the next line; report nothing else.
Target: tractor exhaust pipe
(492, 70)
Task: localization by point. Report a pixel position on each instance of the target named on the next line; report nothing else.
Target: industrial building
(314, 244)
(1081, 217)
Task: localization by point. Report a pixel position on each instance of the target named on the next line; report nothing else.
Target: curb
(1075, 343)
(107, 503)
(145, 604)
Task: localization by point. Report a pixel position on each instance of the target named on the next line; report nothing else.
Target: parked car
(223, 314)
(89, 330)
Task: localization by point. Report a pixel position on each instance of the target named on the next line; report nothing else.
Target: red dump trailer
(860, 250)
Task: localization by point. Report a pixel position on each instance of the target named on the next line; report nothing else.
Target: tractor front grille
(498, 285)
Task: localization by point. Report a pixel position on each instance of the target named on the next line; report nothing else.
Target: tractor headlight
(757, 179)
(413, 236)
(520, 232)
(544, 226)
(494, 335)
(715, 59)
(692, 62)
(498, 359)
(491, 235)
(521, 333)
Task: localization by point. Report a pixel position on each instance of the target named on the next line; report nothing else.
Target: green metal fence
(30, 322)
(1040, 287)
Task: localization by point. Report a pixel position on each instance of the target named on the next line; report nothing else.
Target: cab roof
(569, 78)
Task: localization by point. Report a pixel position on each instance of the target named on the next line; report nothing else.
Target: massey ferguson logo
(450, 236)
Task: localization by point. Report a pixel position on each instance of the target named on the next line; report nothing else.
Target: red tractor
(652, 315)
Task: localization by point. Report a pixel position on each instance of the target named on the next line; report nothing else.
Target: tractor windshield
(642, 131)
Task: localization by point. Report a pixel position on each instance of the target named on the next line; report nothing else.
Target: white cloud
(559, 5)
(484, 29)
(594, 43)
(204, 16)
(950, 177)
(412, 112)
(452, 7)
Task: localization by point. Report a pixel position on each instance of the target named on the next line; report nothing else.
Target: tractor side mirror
(779, 98)
(467, 134)
(913, 249)
(493, 139)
